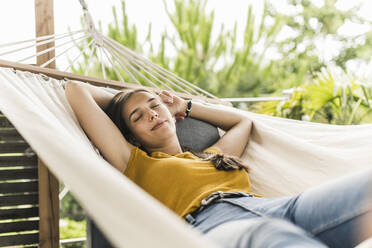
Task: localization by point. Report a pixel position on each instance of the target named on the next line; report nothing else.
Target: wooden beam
(96, 81)
(65, 75)
(48, 183)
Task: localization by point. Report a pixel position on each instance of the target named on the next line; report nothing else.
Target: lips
(158, 125)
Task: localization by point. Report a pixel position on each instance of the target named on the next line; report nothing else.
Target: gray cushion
(196, 134)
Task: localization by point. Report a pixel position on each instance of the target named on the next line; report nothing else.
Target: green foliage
(248, 75)
(311, 23)
(122, 31)
(225, 68)
(334, 98)
(197, 54)
(72, 229)
(70, 208)
(72, 220)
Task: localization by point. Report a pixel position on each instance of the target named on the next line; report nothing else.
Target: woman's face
(149, 119)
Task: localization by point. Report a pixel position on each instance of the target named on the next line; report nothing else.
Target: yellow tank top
(181, 181)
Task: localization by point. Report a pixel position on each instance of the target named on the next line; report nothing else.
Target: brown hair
(115, 109)
(220, 161)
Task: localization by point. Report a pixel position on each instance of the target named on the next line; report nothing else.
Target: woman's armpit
(131, 160)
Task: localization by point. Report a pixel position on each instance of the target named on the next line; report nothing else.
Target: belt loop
(190, 219)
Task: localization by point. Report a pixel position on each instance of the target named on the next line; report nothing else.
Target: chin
(166, 134)
(170, 127)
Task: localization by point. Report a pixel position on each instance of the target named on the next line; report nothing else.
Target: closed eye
(138, 118)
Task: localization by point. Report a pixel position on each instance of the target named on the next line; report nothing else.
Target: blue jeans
(325, 216)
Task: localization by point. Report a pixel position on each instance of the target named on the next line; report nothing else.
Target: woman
(211, 190)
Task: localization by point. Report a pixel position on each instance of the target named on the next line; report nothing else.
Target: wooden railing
(19, 198)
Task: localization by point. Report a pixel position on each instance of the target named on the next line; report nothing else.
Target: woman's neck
(172, 147)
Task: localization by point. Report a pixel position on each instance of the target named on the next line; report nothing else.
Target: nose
(153, 115)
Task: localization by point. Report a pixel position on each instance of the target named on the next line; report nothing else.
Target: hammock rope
(112, 54)
(121, 59)
(89, 58)
(152, 69)
(86, 46)
(38, 38)
(53, 48)
(39, 41)
(113, 66)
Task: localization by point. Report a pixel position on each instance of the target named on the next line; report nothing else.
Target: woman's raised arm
(237, 126)
(88, 103)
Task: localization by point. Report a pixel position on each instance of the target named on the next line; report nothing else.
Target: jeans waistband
(211, 198)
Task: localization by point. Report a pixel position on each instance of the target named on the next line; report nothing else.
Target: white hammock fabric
(127, 215)
(288, 156)
(285, 156)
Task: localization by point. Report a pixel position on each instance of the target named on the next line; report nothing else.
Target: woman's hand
(176, 105)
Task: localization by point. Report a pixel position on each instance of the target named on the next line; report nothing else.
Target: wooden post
(44, 21)
(48, 183)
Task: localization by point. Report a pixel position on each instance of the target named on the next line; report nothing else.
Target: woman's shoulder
(138, 152)
(136, 155)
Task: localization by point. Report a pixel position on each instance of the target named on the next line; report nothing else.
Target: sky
(17, 23)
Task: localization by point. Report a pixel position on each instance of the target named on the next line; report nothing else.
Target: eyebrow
(136, 109)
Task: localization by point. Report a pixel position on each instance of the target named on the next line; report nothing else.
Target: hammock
(286, 157)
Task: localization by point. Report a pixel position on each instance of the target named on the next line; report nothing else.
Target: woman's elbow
(70, 85)
(248, 124)
(72, 92)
